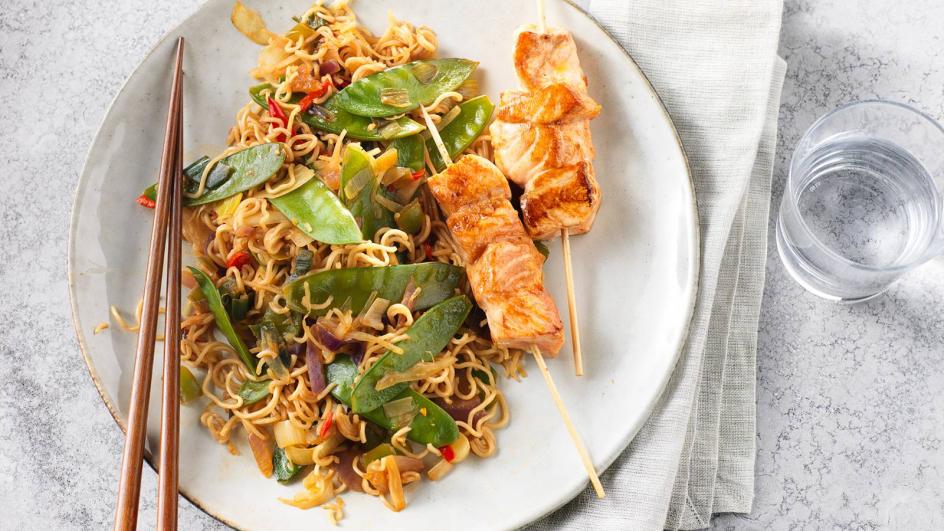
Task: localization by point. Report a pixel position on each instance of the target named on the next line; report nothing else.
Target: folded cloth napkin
(714, 63)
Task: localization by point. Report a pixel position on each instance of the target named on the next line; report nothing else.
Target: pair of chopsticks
(165, 231)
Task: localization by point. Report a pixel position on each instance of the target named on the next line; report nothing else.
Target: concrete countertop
(850, 409)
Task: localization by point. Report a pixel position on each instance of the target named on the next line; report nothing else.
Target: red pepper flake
(447, 453)
(145, 201)
(275, 111)
(326, 425)
(428, 250)
(418, 174)
(310, 98)
(238, 260)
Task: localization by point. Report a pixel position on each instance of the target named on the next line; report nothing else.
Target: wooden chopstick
(129, 482)
(170, 402)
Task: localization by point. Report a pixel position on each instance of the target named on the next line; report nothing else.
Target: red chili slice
(145, 201)
(275, 111)
(326, 425)
(418, 174)
(447, 453)
(238, 260)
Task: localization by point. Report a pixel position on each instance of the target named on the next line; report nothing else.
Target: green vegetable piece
(410, 218)
(305, 28)
(282, 467)
(483, 377)
(215, 303)
(333, 119)
(189, 387)
(459, 134)
(403, 88)
(436, 427)
(542, 248)
(427, 337)
(357, 169)
(437, 282)
(252, 392)
(251, 167)
(379, 452)
(316, 211)
(150, 192)
(302, 262)
(219, 173)
(409, 152)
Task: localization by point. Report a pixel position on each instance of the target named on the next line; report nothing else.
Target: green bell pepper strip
(189, 387)
(409, 152)
(215, 303)
(251, 167)
(357, 165)
(403, 88)
(459, 134)
(334, 119)
(427, 337)
(282, 467)
(436, 427)
(410, 218)
(437, 282)
(316, 211)
(252, 392)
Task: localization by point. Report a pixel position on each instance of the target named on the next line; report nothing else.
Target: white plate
(635, 273)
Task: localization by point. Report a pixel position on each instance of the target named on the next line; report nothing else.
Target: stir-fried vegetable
(436, 427)
(252, 392)
(410, 218)
(223, 323)
(459, 134)
(317, 212)
(360, 190)
(355, 286)
(305, 28)
(428, 336)
(403, 88)
(333, 119)
(189, 387)
(249, 22)
(282, 467)
(409, 152)
(251, 167)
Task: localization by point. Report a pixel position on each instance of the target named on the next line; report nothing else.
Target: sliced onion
(387, 203)
(469, 88)
(425, 72)
(358, 355)
(373, 317)
(249, 22)
(460, 409)
(449, 116)
(355, 185)
(405, 189)
(316, 374)
(288, 434)
(321, 112)
(262, 452)
(394, 174)
(401, 411)
(330, 67)
(408, 299)
(345, 469)
(408, 464)
(395, 97)
(417, 372)
(327, 339)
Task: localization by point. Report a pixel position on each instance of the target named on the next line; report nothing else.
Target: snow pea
(215, 303)
(403, 88)
(354, 286)
(333, 119)
(409, 152)
(410, 219)
(316, 211)
(459, 134)
(252, 392)
(359, 185)
(251, 167)
(427, 337)
(436, 427)
(282, 467)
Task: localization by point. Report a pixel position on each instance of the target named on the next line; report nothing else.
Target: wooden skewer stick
(572, 303)
(574, 436)
(568, 267)
(538, 357)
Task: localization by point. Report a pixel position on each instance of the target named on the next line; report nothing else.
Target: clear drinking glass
(864, 201)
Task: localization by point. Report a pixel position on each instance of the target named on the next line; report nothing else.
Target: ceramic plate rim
(692, 282)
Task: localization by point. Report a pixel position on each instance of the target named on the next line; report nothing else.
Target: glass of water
(864, 201)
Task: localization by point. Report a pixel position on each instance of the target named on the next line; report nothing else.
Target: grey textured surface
(850, 413)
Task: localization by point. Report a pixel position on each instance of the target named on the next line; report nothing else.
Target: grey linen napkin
(714, 64)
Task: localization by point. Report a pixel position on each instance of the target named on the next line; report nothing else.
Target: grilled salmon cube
(543, 58)
(561, 198)
(475, 226)
(469, 180)
(507, 282)
(557, 102)
(523, 150)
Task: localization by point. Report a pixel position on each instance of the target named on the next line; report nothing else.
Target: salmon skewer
(504, 267)
(541, 138)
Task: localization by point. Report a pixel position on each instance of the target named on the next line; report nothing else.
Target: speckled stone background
(850, 399)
